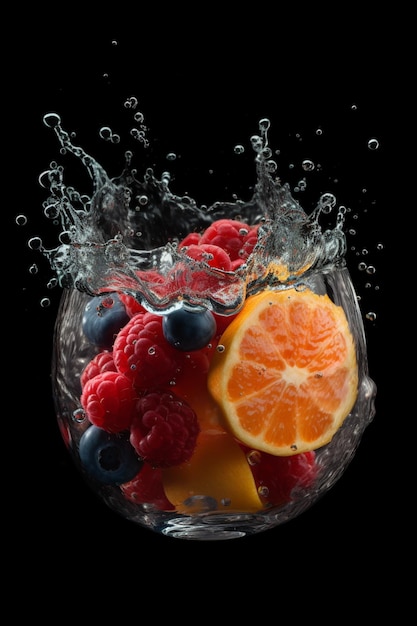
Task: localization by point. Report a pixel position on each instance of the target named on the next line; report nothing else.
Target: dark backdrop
(203, 90)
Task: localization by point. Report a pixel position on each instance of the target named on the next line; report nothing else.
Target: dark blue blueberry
(188, 329)
(109, 458)
(103, 317)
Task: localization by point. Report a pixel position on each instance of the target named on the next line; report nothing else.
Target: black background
(203, 85)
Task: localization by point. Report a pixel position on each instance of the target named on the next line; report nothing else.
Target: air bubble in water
(45, 302)
(239, 149)
(371, 316)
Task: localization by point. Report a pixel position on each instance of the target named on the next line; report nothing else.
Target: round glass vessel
(209, 370)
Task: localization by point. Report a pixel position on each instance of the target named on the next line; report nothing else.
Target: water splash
(124, 237)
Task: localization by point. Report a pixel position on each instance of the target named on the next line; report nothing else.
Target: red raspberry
(164, 429)
(277, 477)
(190, 239)
(108, 400)
(102, 362)
(214, 256)
(132, 306)
(141, 352)
(227, 234)
(146, 488)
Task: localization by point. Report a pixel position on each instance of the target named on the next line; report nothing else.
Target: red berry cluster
(129, 388)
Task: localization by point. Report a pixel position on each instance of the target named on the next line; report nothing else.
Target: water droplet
(35, 243)
(220, 348)
(78, 416)
(307, 165)
(151, 350)
(373, 144)
(139, 117)
(51, 120)
(131, 103)
(254, 457)
(21, 220)
(105, 133)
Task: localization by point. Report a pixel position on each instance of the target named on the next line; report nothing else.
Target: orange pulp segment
(287, 375)
(217, 478)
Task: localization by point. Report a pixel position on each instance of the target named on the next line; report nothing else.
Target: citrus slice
(217, 478)
(287, 375)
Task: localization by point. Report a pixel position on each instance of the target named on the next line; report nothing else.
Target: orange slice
(217, 478)
(287, 376)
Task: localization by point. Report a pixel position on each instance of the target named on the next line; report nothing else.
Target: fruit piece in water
(279, 478)
(103, 317)
(108, 457)
(287, 375)
(164, 429)
(217, 478)
(188, 329)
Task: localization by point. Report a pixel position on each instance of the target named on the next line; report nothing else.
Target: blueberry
(109, 458)
(103, 317)
(189, 329)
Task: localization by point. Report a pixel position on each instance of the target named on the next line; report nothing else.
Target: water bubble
(78, 416)
(264, 124)
(51, 120)
(45, 302)
(106, 133)
(307, 165)
(327, 201)
(370, 269)
(171, 156)
(139, 117)
(253, 457)
(35, 243)
(131, 103)
(21, 220)
(53, 282)
(362, 266)
(33, 269)
(239, 149)
(220, 348)
(319, 131)
(379, 246)
(373, 144)
(371, 316)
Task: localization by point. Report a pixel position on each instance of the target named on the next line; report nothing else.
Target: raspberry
(108, 400)
(146, 488)
(277, 477)
(210, 254)
(142, 354)
(164, 429)
(227, 234)
(190, 239)
(132, 306)
(102, 362)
